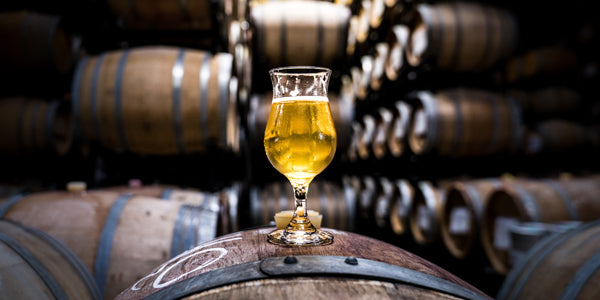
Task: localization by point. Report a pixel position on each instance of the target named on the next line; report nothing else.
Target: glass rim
(297, 70)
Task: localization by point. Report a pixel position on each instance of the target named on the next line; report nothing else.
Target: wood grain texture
(545, 201)
(33, 125)
(179, 103)
(34, 43)
(458, 36)
(471, 195)
(316, 29)
(21, 281)
(557, 266)
(320, 288)
(465, 122)
(252, 245)
(143, 238)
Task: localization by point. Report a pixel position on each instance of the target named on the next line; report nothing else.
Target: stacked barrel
(494, 220)
(453, 119)
(452, 98)
(118, 234)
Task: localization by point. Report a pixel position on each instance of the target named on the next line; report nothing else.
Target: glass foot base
(299, 238)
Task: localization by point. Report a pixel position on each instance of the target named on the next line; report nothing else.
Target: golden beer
(300, 138)
(300, 142)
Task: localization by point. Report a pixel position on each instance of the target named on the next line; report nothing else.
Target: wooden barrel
(357, 132)
(534, 201)
(9, 189)
(237, 10)
(383, 130)
(395, 60)
(34, 45)
(392, 205)
(367, 190)
(353, 24)
(562, 266)
(462, 213)
(245, 265)
(556, 136)
(33, 265)
(166, 15)
(227, 198)
(361, 76)
(119, 237)
(30, 125)
(364, 141)
(362, 30)
(461, 36)
(376, 15)
(397, 140)
(378, 74)
(541, 63)
(300, 32)
(383, 203)
(189, 196)
(547, 102)
(401, 206)
(242, 60)
(327, 198)
(426, 212)
(342, 111)
(465, 122)
(157, 100)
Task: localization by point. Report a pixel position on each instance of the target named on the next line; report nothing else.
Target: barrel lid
(76, 186)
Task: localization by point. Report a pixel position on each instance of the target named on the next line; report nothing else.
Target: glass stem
(300, 211)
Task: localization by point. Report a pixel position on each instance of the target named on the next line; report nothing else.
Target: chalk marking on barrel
(176, 258)
(157, 282)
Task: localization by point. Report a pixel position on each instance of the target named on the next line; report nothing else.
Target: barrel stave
(242, 250)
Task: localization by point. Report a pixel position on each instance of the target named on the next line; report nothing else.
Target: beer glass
(300, 142)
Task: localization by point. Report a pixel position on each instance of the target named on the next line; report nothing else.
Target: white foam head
(301, 98)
